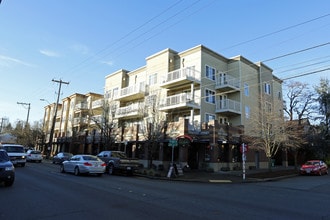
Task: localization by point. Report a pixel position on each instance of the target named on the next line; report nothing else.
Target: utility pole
(29, 105)
(1, 126)
(50, 143)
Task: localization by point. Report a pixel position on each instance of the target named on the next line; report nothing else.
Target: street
(40, 191)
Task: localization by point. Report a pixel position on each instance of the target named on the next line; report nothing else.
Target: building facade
(189, 107)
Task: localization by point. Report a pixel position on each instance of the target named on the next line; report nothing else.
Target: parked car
(314, 167)
(34, 155)
(7, 169)
(16, 153)
(87, 164)
(60, 157)
(117, 161)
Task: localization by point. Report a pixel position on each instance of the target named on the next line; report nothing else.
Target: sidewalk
(256, 175)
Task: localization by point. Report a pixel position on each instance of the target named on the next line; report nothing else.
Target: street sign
(244, 148)
(173, 143)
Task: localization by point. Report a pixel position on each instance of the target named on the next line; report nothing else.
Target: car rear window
(35, 152)
(90, 158)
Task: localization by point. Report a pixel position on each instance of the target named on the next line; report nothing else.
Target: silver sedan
(83, 164)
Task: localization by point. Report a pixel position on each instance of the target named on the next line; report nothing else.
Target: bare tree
(300, 101)
(106, 123)
(265, 129)
(153, 124)
(299, 107)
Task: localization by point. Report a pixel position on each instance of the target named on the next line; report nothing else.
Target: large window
(209, 117)
(247, 111)
(210, 73)
(153, 79)
(210, 96)
(115, 92)
(246, 89)
(267, 88)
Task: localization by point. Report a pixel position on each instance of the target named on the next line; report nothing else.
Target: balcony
(130, 111)
(179, 101)
(97, 103)
(132, 92)
(227, 83)
(228, 107)
(81, 106)
(180, 77)
(79, 121)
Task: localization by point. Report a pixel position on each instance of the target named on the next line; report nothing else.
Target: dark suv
(7, 169)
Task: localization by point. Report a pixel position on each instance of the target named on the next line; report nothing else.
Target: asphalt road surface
(42, 192)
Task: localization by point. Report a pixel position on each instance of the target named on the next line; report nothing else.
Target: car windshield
(90, 158)
(67, 155)
(118, 154)
(3, 156)
(14, 149)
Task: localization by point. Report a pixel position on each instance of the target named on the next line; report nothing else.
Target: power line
(278, 31)
(305, 74)
(299, 51)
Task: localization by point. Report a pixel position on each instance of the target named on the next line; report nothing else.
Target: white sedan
(83, 164)
(34, 155)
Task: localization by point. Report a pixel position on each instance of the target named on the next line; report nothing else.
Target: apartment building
(190, 107)
(205, 100)
(75, 117)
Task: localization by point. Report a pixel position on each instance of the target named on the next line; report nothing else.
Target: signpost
(172, 143)
(244, 149)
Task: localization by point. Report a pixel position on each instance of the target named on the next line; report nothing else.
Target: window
(115, 92)
(247, 111)
(210, 96)
(267, 88)
(209, 117)
(107, 94)
(210, 73)
(223, 120)
(153, 79)
(279, 96)
(246, 89)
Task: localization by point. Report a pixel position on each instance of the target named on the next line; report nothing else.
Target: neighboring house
(7, 139)
(205, 98)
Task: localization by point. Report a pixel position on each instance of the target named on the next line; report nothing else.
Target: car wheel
(22, 164)
(320, 173)
(76, 171)
(99, 174)
(62, 169)
(9, 183)
(110, 169)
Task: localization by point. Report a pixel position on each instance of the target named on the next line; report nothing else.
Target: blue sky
(80, 41)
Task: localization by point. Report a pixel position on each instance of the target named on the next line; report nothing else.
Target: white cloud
(49, 53)
(7, 61)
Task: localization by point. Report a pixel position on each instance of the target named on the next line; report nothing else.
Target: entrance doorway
(193, 156)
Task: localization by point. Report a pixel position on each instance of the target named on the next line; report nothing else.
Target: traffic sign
(244, 148)
(173, 143)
